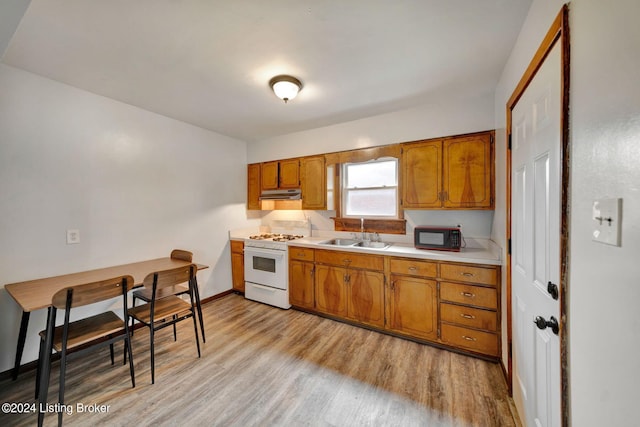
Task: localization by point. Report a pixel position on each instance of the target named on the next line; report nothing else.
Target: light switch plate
(606, 218)
(73, 236)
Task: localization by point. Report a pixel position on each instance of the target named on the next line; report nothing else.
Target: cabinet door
(422, 172)
(413, 307)
(331, 291)
(269, 176)
(301, 284)
(366, 297)
(237, 271)
(467, 174)
(313, 183)
(253, 186)
(289, 171)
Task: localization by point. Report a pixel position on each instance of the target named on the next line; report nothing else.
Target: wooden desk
(37, 294)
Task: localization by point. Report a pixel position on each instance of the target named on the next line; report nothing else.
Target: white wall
(136, 185)
(452, 116)
(604, 281)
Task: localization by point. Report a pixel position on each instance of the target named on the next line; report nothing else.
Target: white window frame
(345, 190)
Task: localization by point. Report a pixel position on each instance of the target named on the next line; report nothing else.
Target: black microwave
(437, 238)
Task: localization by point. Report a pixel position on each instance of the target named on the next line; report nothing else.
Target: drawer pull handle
(467, 274)
(468, 338)
(467, 316)
(346, 261)
(467, 294)
(412, 268)
(300, 253)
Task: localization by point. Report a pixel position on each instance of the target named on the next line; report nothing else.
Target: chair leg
(111, 352)
(133, 305)
(63, 371)
(38, 373)
(195, 329)
(151, 349)
(127, 346)
(175, 334)
(199, 307)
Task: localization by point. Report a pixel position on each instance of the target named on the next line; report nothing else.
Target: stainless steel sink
(356, 243)
(373, 245)
(339, 242)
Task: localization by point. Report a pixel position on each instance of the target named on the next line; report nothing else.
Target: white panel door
(535, 231)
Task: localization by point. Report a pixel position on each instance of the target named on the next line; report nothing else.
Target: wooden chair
(179, 289)
(169, 310)
(80, 336)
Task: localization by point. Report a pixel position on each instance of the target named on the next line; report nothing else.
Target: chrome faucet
(362, 229)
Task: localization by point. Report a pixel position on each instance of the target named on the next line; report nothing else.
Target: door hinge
(509, 246)
(509, 143)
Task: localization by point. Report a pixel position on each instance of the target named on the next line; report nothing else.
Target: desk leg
(199, 307)
(44, 363)
(22, 336)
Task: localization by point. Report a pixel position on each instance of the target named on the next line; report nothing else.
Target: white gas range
(266, 263)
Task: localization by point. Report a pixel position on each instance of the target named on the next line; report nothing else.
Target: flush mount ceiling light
(285, 87)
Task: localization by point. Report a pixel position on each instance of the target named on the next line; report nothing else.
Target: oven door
(267, 267)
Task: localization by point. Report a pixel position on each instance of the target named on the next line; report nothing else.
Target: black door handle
(552, 323)
(552, 288)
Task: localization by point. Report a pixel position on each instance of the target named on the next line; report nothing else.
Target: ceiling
(208, 62)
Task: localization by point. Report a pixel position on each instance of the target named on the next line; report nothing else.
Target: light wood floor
(262, 366)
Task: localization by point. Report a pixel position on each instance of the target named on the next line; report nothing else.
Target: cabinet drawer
(302, 254)
(350, 260)
(237, 246)
(467, 316)
(414, 267)
(465, 273)
(469, 294)
(481, 342)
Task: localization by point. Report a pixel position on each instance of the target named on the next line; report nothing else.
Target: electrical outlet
(73, 236)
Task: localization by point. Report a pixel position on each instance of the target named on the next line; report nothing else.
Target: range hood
(295, 194)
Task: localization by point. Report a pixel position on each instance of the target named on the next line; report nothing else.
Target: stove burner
(262, 236)
(286, 237)
(276, 237)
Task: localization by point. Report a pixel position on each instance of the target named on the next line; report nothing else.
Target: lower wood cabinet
(301, 278)
(331, 290)
(365, 297)
(469, 308)
(454, 305)
(413, 307)
(237, 265)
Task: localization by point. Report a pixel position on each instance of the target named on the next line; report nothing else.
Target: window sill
(387, 226)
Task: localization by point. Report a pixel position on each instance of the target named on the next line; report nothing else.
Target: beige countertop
(478, 251)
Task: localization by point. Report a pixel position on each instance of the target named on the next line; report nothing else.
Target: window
(370, 189)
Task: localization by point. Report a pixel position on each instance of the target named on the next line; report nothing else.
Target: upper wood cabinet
(313, 183)
(422, 175)
(280, 174)
(451, 173)
(253, 186)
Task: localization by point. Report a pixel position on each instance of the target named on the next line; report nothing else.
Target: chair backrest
(90, 293)
(170, 277)
(182, 254)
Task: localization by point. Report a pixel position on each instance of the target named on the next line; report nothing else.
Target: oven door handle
(273, 253)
